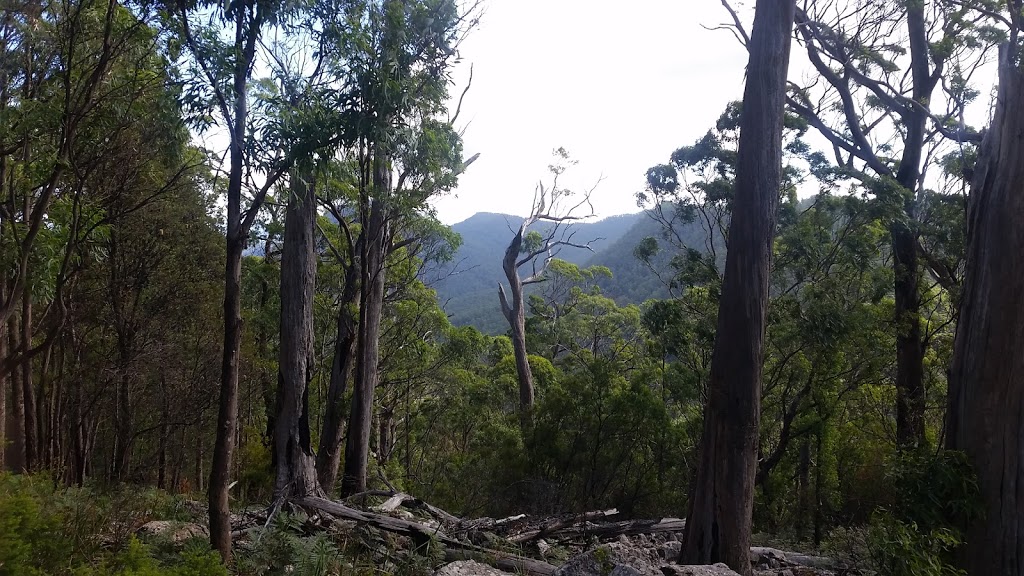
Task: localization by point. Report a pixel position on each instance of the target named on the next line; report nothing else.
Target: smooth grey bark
(296, 472)
(373, 273)
(986, 395)
(718, 524)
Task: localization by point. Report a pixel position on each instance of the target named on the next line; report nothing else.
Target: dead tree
(534, 250)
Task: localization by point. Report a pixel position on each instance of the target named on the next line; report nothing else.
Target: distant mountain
(468, 289)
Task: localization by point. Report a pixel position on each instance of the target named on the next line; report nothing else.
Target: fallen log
(609, 530)
(553, 526)
(502, 561)
(422, 532)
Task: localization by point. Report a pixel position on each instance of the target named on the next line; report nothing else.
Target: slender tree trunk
(161, 473)
(328, 456)
(28, 387)
(43, 413)
(515, 314)
(227, 410)
(803, 488)
(819, 513)
(123, 409)
(296, 472)
(719, 520)
(3, 374)
(986, 401)
(16, 427)
(372, 263)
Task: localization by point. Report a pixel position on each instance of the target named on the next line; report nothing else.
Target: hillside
(469, 292)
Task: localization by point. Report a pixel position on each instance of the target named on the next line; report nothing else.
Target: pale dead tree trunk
(328, 456)
(719, 520)
(986, 399)
(296, 472)
(522, 252)
(373, 272)
(516, 317)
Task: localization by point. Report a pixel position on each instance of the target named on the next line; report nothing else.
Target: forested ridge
(235, 337)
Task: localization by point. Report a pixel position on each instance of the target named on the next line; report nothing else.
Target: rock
(615, 559)
(671, 550)
(176, 532)
(810, 561)
(543, 547)
(763, 557)
(710, 570)
(468, 568)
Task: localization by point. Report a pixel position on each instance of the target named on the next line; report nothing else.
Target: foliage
(935, 497)
(84, 531)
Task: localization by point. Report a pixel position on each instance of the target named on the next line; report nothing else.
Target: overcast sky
(620, 85)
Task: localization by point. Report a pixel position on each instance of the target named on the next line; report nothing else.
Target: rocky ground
(592, 544)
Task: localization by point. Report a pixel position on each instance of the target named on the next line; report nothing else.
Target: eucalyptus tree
(891, 84)
(227, 44)
(718, 524)
(986, 394)
(397, 56)
(79, 80)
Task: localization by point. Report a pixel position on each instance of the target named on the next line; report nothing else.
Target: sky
(619, 85)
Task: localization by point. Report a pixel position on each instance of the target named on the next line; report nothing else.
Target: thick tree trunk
(515, 314)
(357, 445)
(296, 473)
(986, 401)
(719, 520)
(328, 456)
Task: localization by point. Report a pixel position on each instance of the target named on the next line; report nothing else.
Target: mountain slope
(468, 289)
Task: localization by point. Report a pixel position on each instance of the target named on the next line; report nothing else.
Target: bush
(85, 532)
(936, 497)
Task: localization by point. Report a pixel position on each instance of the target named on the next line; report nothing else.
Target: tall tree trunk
(515, 314)
(328, 456)
(986, 400)
(372, 264)
(296, 472)
(719, 520)
(227, 408)
(910, 393)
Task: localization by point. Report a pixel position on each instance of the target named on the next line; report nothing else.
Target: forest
(222, 349)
